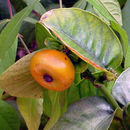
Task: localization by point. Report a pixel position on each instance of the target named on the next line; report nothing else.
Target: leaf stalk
(109, 96)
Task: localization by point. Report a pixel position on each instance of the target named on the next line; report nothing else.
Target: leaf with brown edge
(86, 35)
(17, 80)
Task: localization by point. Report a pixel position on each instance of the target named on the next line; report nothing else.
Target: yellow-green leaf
(17, 80)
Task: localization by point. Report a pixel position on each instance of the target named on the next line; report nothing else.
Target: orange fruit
(52, 69)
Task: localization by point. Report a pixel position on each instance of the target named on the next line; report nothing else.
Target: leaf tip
(45, 15)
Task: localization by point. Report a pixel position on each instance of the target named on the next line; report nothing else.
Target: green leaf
(31, 110)
(30, 20)
(53, 44)
(38, 7)
(80, 67)
(123, 36)
(47, 106)
(4, 125)
(110, 85)
(87, 88)
(9, 119)
(86, 114)
(127, 58)
(9, 33)
(117, 120)
(121, 89)
(9, 57)
(126, 18)
(87, 36)
(3, 23)
(73, 94)
(1, 92)
(108, 9)
(41, 34)
(80, 4)
(58, 104)
(24, 85)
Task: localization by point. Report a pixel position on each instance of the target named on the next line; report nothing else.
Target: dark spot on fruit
(47, 78)
(65, 58)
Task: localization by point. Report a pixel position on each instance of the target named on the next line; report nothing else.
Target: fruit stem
(109, 96)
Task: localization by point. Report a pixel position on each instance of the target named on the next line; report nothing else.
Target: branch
(23, 43)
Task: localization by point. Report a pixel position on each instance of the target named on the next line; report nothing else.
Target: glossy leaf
(31, 110)
(9, 57)
(87, 36)
(108, 9)
(38, 7)
(127, 58)
(121, 89)
(8, 117)
(20, 82)
(9, 33)
(126, 18)
(86, 114)
(122, 34)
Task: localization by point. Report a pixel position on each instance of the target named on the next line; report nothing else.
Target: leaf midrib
(91, 54)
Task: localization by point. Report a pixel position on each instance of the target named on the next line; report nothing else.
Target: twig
(60, 2)
(22, 41)
(10, 9)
